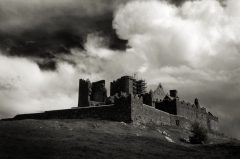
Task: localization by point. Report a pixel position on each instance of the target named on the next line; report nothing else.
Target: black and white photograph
(119, 79)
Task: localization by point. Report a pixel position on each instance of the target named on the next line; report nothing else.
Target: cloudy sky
(193, 46)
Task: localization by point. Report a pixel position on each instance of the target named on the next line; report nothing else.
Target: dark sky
(46, 46)
(44, 29)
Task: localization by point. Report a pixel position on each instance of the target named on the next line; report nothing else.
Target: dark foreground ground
(56, 139)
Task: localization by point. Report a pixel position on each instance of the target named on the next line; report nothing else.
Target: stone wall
(150, 114)
(197, 114)
(119, 112)
(180, 122)
(213, 125)
(186, 110)
(202, 117)
(129, 109)
(192, 113)
(189, 114)
(147, 114)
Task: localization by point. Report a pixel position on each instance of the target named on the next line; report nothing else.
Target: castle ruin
(129, 102)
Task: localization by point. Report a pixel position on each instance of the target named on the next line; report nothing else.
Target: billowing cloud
(44, 29)
(24, 88)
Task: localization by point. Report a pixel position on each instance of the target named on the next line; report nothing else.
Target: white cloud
(194, 33)
(25, 88)
(194, 48)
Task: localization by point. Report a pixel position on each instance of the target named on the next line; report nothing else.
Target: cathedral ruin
(130, 102)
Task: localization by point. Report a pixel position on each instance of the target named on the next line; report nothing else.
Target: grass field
(67, 139)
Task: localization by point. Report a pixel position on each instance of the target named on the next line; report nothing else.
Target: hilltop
(104, 139)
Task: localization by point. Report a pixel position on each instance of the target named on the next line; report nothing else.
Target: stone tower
(124, 84)
(99, 92)
(84, 94)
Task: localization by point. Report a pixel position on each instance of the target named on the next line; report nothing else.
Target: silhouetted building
(84, 93)
(124, 84)
(91, 93)
(129, 85)
(129, 102)
(99, 92)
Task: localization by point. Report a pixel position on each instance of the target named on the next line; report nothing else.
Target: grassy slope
(101, 139)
